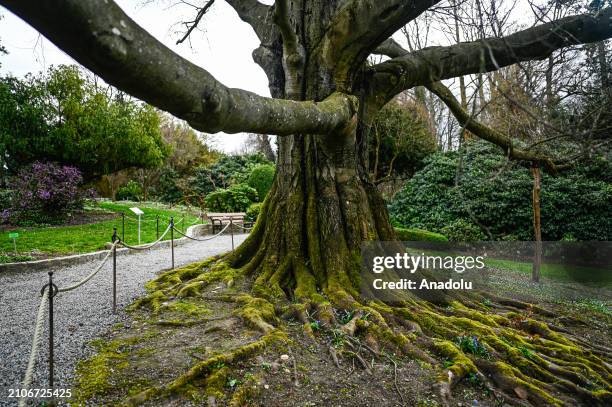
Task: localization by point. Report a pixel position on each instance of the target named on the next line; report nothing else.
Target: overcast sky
(224, 49)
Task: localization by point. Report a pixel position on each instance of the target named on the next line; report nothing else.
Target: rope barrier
(92, 274)
(53, 290)
(150, 245)
(244, 228)
(202, 240)
(27, 380)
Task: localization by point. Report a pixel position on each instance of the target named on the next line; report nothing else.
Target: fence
(49, 291)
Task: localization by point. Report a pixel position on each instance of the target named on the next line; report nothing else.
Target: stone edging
(60, 262)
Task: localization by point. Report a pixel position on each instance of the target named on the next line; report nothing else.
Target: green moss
(94, 375)
(462, 365)
(257, 312)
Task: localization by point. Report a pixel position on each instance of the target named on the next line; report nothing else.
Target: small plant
(337, 338)
(471, 344)
(472, 378)
(448, 363)
(315, 326)
(266, 366)
(345, 317)
(218, 365)
(232, 382)
(487, 302)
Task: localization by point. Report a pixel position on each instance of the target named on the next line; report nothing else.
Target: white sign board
(137, 211)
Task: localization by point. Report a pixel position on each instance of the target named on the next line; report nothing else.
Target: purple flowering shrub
(45, 193)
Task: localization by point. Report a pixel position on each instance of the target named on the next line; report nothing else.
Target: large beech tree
(305, 246)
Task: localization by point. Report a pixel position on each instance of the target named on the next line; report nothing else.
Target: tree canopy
(66, 116)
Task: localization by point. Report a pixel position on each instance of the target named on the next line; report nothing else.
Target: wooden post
(114, 239)
(537, 225)
(231, 227)
(172, 239)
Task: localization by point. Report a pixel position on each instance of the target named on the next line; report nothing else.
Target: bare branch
(491, 135)
(436, 63)
(191, 25)
(104, 39)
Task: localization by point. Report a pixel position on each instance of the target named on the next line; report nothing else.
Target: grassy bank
(47, 241)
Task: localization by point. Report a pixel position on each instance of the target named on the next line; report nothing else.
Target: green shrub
(477, 185)
(253, 212)
(419, 235)
(261, 179)
(237, 198)
(168, 189)
(462, 230)
(6, 198)
(130, 192)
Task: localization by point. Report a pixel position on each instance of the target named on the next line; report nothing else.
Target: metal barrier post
(114, 238)
(123, 226)
(157, 225)
(232, 231)
(172, 239)
(52, 293)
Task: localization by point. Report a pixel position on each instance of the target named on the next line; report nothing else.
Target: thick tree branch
(103, 38)
(491, 135)
(359, 27)
(256, 14)
(390, 48)
(293, 52)
(436, 63)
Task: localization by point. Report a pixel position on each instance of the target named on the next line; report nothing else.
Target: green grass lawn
(557, 271)
(561, 272)
(61, 240)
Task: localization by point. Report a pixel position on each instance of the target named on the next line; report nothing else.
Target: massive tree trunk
(322, 204)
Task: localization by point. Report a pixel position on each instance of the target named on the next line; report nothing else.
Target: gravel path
(80, 315)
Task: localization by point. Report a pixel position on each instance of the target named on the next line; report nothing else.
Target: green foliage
(261, 178)
(130, 192)
(202, 182)
(233, 169)
(419, 235)
(471, 344)
(6, 196)
(462, 230)
(252, 212)
(66, 117)
(168, 189)
(458, 191)
(399, 141)
(236, 198)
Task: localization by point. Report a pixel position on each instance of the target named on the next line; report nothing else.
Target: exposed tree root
(504, 344)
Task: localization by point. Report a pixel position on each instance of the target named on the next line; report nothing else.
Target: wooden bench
(220, 219)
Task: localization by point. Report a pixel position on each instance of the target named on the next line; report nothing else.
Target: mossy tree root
(515, 353)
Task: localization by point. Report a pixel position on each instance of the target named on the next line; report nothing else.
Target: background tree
(400, 139)
(323, 203)
(259, 143)
(65, 116)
